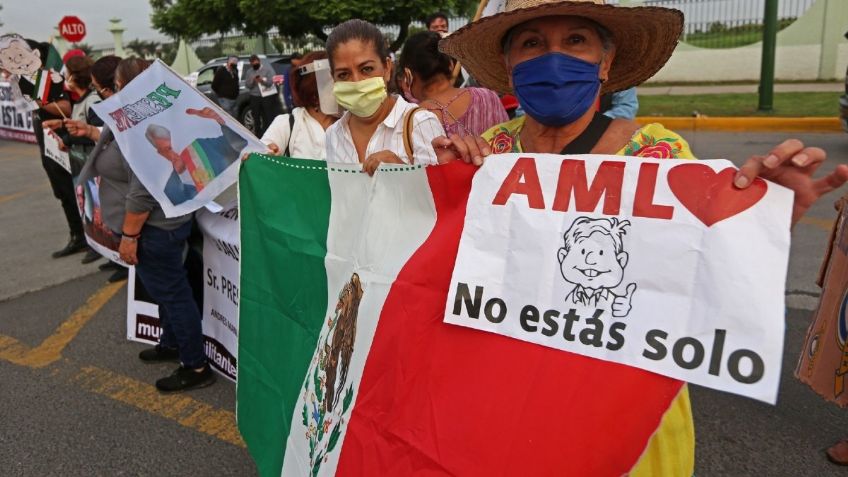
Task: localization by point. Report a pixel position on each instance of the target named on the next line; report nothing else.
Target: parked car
(279, 63)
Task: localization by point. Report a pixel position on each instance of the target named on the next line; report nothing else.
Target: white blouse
(306, 141)
(388, 136)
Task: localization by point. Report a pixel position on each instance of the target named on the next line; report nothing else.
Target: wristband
(129, 239)
(131, 236)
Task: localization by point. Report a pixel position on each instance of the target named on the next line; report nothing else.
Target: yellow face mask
(361, 98)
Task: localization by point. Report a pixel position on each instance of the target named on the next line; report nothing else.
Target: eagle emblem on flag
(326, 400)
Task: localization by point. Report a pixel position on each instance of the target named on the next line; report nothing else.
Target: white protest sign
(658, 264)
(15, 116)
(221, 257)
(266, 91)
(51, 150)
(181, 145)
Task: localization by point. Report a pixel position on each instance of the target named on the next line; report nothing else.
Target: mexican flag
(43, 81)
(347, 368)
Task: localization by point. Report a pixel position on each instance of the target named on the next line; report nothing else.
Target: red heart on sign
(711, 196)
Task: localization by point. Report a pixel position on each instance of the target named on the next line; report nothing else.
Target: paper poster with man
(98, 235)
(181, 146)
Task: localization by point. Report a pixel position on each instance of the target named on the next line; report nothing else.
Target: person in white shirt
(377, 127)
(301, 134)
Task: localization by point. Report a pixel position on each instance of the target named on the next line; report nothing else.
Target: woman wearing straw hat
(557, 57)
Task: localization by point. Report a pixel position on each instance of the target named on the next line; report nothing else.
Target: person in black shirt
(57, 105)
(225, 84)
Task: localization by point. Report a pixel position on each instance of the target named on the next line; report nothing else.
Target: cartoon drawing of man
(593, 259)
(201, 161)
(20, 62)
(18, 57)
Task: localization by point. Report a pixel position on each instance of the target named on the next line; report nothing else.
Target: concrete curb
(749, 124)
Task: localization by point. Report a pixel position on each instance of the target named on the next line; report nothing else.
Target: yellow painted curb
(746, 124)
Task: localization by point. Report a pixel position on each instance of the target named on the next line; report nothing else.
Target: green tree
(191, 19)
(143, 48)
(208, 52)
(168, 52)
(85, 47)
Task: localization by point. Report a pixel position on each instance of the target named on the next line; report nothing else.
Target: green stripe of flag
(271, 370)
(201, 154)
(53, 60)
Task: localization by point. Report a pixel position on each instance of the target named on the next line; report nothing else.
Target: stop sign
(72, 29)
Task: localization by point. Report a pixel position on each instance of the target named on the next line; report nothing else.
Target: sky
(37, 19)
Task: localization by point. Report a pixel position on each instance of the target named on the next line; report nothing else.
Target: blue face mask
(556, 89)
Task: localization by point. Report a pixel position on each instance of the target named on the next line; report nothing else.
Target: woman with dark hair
(377, 127)
(102, 81)
(84, 125)
(427, 79)
(78, 83)
(302, 133)
(103, 75)
(155, 244)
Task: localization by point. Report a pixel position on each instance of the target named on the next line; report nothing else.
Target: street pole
(769, 48)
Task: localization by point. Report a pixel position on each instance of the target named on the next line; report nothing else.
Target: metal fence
(729, 23)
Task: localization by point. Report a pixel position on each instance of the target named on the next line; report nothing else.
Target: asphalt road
(77, 402)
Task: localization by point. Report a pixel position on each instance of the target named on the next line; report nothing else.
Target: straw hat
(644, 39)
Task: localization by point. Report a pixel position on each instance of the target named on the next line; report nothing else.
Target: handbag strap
(291, 130)
(584, 143)
(407, 132)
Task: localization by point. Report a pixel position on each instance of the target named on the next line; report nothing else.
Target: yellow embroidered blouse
(671, 450)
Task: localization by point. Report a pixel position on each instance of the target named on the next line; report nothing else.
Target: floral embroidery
(645, 146)
(502, 143)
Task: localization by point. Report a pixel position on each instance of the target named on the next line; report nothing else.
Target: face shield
(324, 80)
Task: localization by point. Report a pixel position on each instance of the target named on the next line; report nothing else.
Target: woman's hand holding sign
(52, 124)
(792, 165)
(470, 149)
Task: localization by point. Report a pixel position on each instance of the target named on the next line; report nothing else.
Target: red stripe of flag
(42, 84)
(438, 399)
(188, 160)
